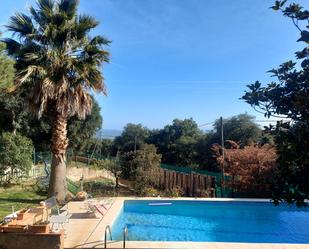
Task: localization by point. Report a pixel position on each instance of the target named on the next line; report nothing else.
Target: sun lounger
(101, 209)
(94, 207)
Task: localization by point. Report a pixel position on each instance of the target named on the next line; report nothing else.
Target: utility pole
(223, 156)
(135, 144)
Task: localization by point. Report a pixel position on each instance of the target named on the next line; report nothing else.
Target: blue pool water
(256, 222)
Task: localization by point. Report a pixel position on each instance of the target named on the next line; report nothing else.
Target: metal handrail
(125, 234)
(107, 228)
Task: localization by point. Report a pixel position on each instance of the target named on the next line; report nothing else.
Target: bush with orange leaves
(250, 168)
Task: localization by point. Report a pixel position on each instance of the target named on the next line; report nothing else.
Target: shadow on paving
(34, 201)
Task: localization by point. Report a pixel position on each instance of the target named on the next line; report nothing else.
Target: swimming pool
(212, 221)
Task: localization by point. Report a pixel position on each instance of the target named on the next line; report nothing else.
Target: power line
(255, 121)
(268, 121)
(222, 148)
(206, 124)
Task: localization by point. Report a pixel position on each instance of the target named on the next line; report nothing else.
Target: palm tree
(59, 64)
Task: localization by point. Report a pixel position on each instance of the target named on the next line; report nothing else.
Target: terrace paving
(85, 232)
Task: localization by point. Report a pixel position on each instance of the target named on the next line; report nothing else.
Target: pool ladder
(108, 229)
(125, 234)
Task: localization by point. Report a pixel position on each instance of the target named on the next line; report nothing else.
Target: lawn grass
(18, 196)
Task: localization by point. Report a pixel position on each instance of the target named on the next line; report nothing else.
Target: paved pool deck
(84, 231)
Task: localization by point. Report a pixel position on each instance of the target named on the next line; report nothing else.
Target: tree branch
(295, 24)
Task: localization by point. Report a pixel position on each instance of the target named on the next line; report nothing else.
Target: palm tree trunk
(59, 144)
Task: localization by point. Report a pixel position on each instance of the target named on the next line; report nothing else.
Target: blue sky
(183, 58)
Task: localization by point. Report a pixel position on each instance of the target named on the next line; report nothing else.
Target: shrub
(100, 187)
(144, 161)
(41, 185)
(251, 168)
(203, 193)
(142, 167)
(103, 164)
(112, 165)
(174, 192)
(146, 191)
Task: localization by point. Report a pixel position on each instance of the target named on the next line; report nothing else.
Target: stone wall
(31, 241)
(88, 173)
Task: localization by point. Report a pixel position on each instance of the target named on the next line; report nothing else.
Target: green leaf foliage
(132, 138)
(81, 131)
(14, 116)
(291, 180)
(176, 142)
(141, 165)
(241, 129)
(57, 60)
(15, 153)
(287, 98)
(7, 70)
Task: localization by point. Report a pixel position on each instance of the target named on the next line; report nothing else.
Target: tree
(58, 63)
(106, 147)
(240, 128)
(7, 72)
(6, 68)
(251, 168)
(15, 153)
(81, 131)
(205, 158)
(100, 148)
(176, 142)
(132, 138)
(13, 116)
(113, 165)
(287, 98)
(142, 166)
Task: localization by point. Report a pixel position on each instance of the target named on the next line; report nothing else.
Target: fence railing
(18, 175)
(71, 157)
(213, 178)
(73, 187)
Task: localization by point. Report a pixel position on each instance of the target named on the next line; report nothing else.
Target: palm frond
(12, 46)
(80, 103)
(93, 53)
(45, 11)
(57, 62)
(32, 70)
(41, 93)
(84, 24)
(99, 41)
(21, 25)
(69, 7)
(35, 15)
(46, 6)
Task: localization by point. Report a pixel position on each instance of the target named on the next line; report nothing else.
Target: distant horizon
(206, 126)
(112, 132)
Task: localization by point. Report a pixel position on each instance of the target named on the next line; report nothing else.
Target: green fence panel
(188, 170)
(72, 187)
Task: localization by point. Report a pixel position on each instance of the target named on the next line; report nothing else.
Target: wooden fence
(192, 184)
